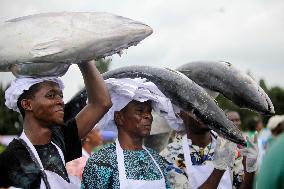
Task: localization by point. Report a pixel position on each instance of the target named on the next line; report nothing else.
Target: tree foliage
(9, 120)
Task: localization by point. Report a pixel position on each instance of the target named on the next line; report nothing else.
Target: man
(37, 159)
(194, 157)
(127, 163)
(271, 173)
(235, 118)
(254, 125)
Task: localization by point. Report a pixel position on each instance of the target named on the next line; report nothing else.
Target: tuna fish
(229, 81)
(182, 92)
(66, 37)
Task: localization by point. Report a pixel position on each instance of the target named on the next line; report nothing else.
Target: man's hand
(251, 153)
(224, 154)
(190, 119)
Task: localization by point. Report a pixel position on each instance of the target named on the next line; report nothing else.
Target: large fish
(182, 92)
(229, 81)
(65, 37)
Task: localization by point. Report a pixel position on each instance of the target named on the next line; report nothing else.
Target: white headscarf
(19, 85)
(123, 91)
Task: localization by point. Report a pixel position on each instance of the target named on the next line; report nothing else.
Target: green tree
(9, 120)
(276, 95)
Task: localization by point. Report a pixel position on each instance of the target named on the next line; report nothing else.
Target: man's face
(235, 118)
(136, 118)
(47, 105)
(193, 124)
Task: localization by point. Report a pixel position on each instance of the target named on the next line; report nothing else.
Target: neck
(200, 139)
(128, 142)
(37, 134)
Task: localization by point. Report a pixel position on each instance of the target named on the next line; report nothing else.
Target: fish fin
(47, 48)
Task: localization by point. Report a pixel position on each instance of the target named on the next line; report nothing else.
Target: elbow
(107, 104)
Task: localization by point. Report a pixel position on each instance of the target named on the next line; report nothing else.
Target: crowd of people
(52, 154)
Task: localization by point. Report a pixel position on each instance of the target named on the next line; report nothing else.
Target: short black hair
(27, 94)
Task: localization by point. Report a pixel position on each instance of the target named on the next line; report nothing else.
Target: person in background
(127, 163)
(37, 159)
(196, 162)
(254, 125)
(276, 125)
(92, 140)
(271, 173)
(234, 117)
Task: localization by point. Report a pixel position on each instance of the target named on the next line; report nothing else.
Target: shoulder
(18, 167)
(173, 150)
(14, 149)
(106, 155)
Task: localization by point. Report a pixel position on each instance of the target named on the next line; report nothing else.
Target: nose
(59, 100)
(148, 115)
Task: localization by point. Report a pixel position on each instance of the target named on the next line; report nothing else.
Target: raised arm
(99, 100)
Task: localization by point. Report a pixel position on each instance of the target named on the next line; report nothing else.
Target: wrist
(219, 171)
(220, 166)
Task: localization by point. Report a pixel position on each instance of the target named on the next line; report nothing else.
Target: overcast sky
(249, 34)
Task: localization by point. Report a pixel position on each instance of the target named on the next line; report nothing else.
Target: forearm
(98, 99)
(248, 181)
(95, 85)
(213, 180)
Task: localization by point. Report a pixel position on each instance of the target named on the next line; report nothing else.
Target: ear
(118, 118)
(26, 104)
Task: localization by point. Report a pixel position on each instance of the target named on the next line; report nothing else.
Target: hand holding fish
(224, 154)
(251, 154)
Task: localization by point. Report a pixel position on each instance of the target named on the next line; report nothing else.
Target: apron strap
(60, 153)
(120, 161)
(187, 158)
(43, 174)
(154, 161)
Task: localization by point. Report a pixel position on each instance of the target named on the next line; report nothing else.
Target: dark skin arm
(193, 123)
(213, 180)
(99, 100)
(248, 178)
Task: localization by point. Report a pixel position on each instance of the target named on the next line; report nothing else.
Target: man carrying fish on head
(200, 159)
(37, 159)
(207, 161)
(127, 163)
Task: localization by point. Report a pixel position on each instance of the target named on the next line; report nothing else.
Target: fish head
(116, 32)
